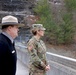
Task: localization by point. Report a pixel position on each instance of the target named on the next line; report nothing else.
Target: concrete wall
(70, 62)
(56, 67)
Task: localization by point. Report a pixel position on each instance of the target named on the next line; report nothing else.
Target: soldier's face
(41, 32)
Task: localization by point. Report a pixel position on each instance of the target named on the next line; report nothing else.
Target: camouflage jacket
(37, 51)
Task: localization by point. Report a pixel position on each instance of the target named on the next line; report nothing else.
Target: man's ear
(9, 28)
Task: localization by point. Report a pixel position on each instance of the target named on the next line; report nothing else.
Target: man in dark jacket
(8, 56)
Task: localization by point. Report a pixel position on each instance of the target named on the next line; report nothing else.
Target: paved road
(21, 69)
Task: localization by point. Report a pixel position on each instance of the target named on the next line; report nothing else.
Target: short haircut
(6, 26)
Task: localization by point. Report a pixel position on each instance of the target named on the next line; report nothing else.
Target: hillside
(64, 50)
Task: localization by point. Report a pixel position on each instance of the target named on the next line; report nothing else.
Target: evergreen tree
(55, 33)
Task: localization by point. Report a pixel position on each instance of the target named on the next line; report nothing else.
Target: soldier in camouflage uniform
(37, 51)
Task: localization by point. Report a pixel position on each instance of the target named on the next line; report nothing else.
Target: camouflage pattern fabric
(37, 51)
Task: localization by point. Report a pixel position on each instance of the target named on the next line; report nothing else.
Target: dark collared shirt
(6, 34)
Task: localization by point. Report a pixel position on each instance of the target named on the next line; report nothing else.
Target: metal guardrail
(67, 61)
(63, 57)
(62, 65)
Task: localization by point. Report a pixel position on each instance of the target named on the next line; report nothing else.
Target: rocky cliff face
(19, 8)
(23, 8)
(16, 7)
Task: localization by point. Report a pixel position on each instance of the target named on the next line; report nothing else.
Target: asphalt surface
(21, 69)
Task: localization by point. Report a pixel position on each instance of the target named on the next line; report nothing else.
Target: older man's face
(14, 31)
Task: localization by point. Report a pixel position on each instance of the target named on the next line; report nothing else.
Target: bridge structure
(60, 65)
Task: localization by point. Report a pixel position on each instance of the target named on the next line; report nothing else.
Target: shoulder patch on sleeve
(30, 45)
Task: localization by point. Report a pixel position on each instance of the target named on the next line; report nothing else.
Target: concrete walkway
(21, 69)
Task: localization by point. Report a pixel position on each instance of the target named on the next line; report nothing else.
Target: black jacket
(8, 56)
